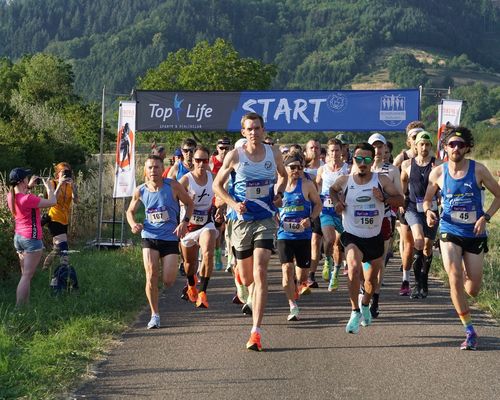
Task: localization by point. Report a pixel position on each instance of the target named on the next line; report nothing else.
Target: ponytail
(12, 201)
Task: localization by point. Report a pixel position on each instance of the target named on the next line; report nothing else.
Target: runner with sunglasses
(330, 220)
(202, 232)
(182, 167)
(301, 204)
(463, 236)
(360, 197)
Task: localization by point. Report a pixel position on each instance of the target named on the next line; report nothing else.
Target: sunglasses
(457, 143)
(295, 167)
(188, 150)
(223, 148)
(201, 160)
(361, 160)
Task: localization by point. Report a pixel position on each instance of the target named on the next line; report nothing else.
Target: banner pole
(99, 188)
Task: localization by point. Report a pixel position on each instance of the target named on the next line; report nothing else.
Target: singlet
(462, 203)
(417, 186)
(181, 171)
(313, 171)
(384, 170)
(254, 183)
(202, 197)
(27, 215)
(216, 164)
(60, 212)
(295, 208)
(363, 214)
(328, 178)
(162, 212)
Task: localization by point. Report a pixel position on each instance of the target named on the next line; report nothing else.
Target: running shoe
(416, 293)
(470, 342)
(334, 280)
(405, 289)
(353, 324)
(327, 270)
(254, 342)
(192, 294)
(241, 289)
(367, 316)
(229, 268)
(374, 311)
(184, 295)
(424, 293)
(246, 309)
(304, 289)
(345, 271)
(201, 301)
(236, 299)
(312, 283)
(294, 314)
(154, 323)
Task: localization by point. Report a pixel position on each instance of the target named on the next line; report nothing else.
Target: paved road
(411, 350)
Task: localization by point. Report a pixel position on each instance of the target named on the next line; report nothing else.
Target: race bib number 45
(463, 215)
(157, 215)
(258, 189)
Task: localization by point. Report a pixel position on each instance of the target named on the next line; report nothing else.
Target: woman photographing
(25, 207)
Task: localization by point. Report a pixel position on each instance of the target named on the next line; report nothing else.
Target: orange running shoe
(304, 289)
(254, 342)
(201, 301)
(192, 294)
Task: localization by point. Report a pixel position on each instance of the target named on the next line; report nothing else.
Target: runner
(414, 178)
(462, 234)
(360, 198)
(312, 153)
(202, 232)
(301, 204)
(330, 221)
(255, 165)
(183, 166)
(405, 236)
(160, 230)
(379, 143)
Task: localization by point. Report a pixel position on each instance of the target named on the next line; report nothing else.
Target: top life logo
(194, 112)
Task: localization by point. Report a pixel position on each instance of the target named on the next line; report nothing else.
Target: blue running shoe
(367, 316)
(154, 323)
(353, 324)
(470, 342)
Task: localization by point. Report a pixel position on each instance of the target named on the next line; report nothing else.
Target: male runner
(160, 230)
(415, 178)
(360, 197)
(253, 200)
(462, 235)
(182, 167)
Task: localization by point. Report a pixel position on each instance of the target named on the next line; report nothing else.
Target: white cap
(240, 143)
(377, 137)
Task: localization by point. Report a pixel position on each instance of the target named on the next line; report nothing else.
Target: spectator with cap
(25, 208)
(216, 160)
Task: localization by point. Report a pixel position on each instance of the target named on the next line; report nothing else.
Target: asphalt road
(410, 351)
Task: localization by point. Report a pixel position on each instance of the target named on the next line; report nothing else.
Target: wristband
(487, 217)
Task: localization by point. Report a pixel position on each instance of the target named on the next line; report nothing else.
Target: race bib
(199, 217)
(463, 214)
(292, 225)
(257, 189)
(328, 202)
(365, 219)
(157, 215)
(420, 204)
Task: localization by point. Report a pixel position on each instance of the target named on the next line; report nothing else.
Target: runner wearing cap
(414, 179)
(463, 236)
(346, 153)
(182, 167)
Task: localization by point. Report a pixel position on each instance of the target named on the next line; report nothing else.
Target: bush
(8, 257)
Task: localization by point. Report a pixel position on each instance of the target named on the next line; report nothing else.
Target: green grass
(46, 348)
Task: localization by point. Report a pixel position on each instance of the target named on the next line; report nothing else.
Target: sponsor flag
(125, 151)
(449, 112)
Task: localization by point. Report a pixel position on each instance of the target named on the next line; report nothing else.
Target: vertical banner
(125, 151)
(449, 112)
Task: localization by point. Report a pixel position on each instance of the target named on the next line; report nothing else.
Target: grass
(46, 348)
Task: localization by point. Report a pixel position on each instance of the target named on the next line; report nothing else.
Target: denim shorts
(24, 245)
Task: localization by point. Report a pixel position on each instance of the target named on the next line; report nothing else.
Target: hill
(315, 44)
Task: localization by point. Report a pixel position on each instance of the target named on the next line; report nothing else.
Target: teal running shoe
(367, 315)
(353, 324)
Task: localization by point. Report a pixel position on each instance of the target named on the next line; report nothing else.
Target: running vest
(462, 203)
(328, 178)
(363, 214)
(216, 164)
(254, 183)
(162, 212)
(202, 198)
(417, 186)
(313, 171)
(295, 208)
(384, 170)
(181, 171)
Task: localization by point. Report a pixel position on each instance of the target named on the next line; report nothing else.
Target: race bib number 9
(157, 215)
(257, 189)
(199, 217)
(292, 225)
(365, 219)
(463, 215)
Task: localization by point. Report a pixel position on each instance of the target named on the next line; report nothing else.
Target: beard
(456, 157)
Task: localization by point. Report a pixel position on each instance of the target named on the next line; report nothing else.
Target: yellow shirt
(60, 212)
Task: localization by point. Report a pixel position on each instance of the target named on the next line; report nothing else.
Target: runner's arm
(222, 177)
(132, 208)
(172, 172)
(432, 188)
(392, 196)
(337, 187)
(282, 175)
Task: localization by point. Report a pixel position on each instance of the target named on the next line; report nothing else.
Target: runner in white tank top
(360, 198)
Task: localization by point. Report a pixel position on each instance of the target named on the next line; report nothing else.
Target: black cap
(18, 174)
(224, 141)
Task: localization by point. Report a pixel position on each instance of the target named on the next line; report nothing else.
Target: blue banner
(319, 110)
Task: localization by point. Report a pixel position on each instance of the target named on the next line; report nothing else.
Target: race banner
(449, 112)
(341, 110)
(125, 151)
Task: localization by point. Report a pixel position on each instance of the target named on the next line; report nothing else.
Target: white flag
(125, 151)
